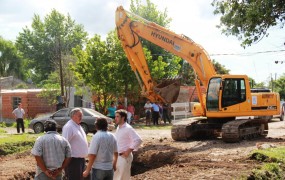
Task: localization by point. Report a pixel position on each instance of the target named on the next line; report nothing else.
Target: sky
(192, 18)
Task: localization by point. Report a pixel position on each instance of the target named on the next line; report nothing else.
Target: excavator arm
(131, 28)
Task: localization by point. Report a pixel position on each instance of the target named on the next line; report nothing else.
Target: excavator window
(233, 92)
(213, 94)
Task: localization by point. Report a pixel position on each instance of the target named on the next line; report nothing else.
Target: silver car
(62, 116)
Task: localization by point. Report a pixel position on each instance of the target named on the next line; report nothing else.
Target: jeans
(43, 176)
(98, 174)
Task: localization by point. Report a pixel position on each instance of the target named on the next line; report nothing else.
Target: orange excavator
(226, 97)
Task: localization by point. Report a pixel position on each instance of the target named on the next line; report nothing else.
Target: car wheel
(84, 127)
(38, 128)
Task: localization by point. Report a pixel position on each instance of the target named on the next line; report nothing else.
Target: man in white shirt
(19, 116)
(75, 135)
(148, 108)
(128, 141)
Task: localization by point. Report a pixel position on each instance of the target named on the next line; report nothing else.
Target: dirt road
(162, 158)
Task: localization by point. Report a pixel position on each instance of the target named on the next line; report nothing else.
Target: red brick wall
(37, 105)
(32, 105)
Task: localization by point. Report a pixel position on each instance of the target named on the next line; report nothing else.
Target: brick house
(32, 104)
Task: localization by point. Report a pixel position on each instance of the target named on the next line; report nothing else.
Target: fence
(181, 109)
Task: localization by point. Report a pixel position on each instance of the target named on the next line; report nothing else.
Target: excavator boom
(130, 31)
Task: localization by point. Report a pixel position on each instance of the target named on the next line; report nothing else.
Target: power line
(236, 54)
(247, 54)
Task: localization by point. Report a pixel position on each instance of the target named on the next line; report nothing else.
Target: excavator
(226, 98)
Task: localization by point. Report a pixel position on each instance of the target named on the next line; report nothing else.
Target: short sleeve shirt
(103, 145)
(148, 105)
(53, 149)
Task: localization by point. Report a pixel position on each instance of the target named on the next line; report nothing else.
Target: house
(32, 104)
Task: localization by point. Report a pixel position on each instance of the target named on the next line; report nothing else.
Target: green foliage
(270, 154)
(280, 86)
(2, 130)
(14, 124)
(268, 171)
(50, 93)
(10, 60)
(162, 64)
(21, 86)
(3, 124)
(249, 20)
(47, 42)
(220, 69)
(15, 143)
(273, 163)
(97, 66)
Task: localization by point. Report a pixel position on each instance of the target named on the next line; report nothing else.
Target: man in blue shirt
(155, 113)
(103, 153)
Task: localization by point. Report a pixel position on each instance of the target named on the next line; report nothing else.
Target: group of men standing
(110, 156)
(155, 111)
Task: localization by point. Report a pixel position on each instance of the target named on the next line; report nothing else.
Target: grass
(14, 124)
(273, 163)
(16, 143)
(2, 131)
(152, 127)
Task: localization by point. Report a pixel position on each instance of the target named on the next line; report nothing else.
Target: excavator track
(191, 128)
(232, 131)
(180, 131)
(236, 130)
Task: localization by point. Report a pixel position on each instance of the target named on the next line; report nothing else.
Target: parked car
(63, 115)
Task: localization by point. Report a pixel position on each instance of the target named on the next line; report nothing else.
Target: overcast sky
(193, 18)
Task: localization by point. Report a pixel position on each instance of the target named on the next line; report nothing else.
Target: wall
(32, 105)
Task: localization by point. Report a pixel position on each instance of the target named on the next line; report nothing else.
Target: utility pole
(60, 68)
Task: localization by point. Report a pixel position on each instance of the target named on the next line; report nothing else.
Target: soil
(162, 158)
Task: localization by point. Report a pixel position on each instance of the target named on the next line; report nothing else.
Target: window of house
(16, 101)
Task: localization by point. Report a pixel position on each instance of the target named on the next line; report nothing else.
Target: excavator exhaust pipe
(168, 89)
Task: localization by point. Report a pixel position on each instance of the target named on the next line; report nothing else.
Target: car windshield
(95, 113)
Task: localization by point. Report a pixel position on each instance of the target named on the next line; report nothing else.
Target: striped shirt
(127, 138)
(103, 145)
(53, 149)
(19, 112)
(77, 139)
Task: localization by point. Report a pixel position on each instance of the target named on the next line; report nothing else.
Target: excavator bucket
(168, 89)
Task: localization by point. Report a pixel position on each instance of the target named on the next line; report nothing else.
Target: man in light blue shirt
(103, 153)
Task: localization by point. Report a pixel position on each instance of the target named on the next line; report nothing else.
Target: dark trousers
(75, 168)
(166, 117)
(20, 122)
(155, 115)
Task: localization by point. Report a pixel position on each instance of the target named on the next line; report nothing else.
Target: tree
(220, 69)
(249, 20)
(188, 75)
(47, 41)
(280, 86)
(97, 66)
(170, 64)
(11, 62)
